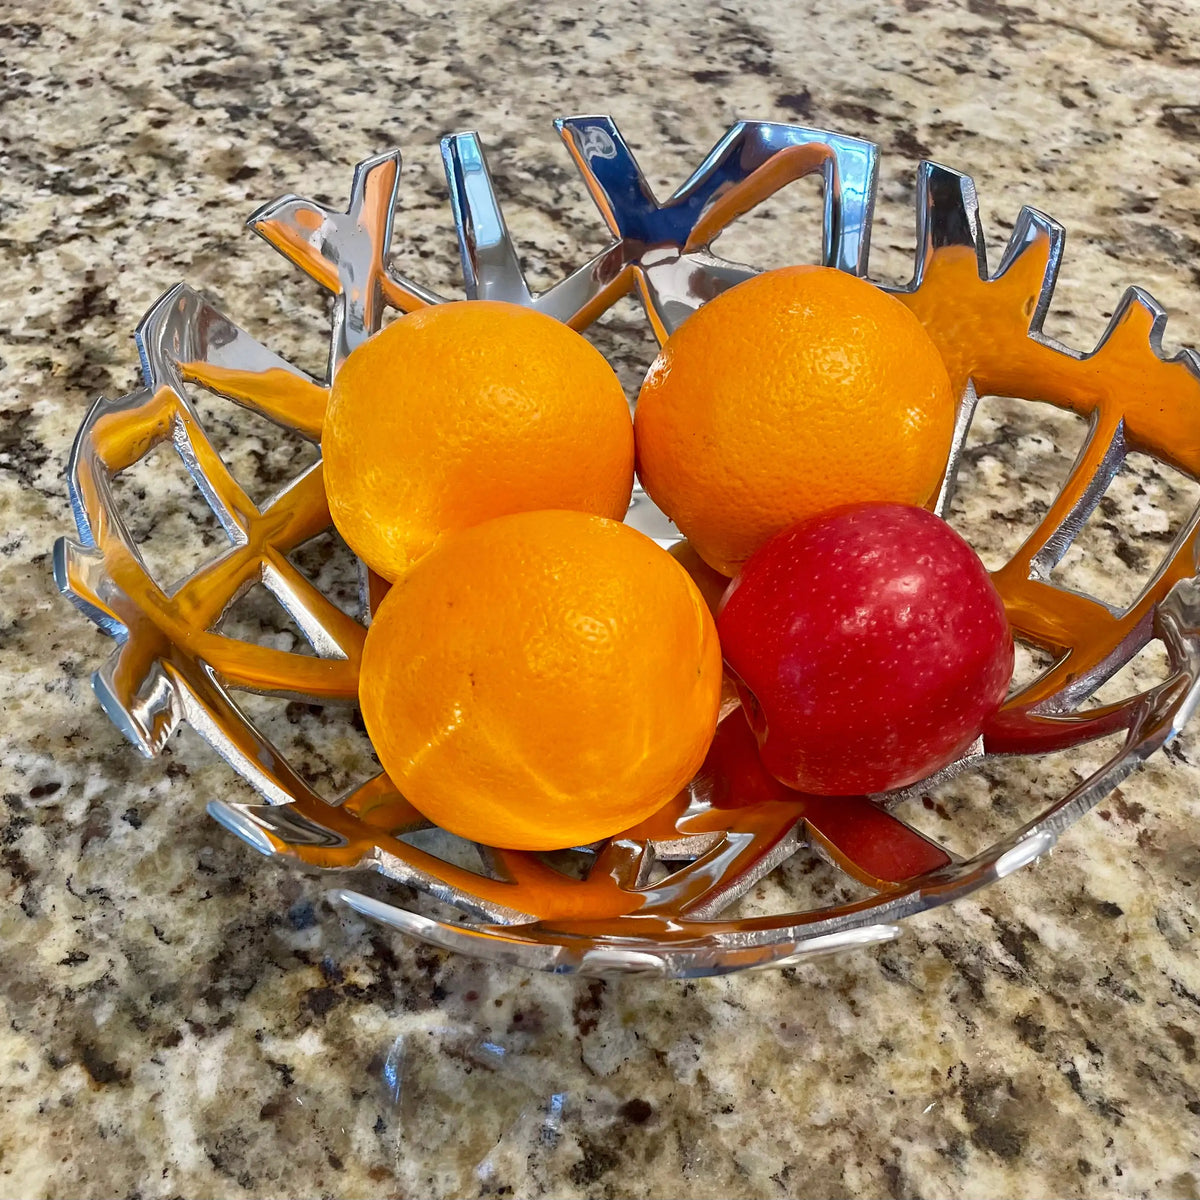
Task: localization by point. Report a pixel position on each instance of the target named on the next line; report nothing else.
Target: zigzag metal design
(171, 664)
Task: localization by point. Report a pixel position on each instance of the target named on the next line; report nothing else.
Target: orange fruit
(542, 680)
(461, 412)
(795, 391)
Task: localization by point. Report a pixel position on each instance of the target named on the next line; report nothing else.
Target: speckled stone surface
(178, 1018)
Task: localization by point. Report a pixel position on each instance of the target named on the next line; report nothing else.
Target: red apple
(869, 646)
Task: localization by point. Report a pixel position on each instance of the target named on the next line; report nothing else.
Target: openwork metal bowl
(657, 899)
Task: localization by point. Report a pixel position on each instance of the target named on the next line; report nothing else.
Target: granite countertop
(180, 1018)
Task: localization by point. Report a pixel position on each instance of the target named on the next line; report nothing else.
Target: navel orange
(541, 680)
(798, 390)
(461, 412)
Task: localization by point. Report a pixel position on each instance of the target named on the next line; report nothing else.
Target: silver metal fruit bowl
(663, 898)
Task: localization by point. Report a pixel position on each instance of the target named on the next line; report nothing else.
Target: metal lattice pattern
(650, 900)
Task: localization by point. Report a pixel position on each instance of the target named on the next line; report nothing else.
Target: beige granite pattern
(179, 1018)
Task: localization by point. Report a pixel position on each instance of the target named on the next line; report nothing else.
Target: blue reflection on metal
(848, 166)
(491, 270)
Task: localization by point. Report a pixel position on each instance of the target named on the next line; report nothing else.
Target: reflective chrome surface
(650, 901)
